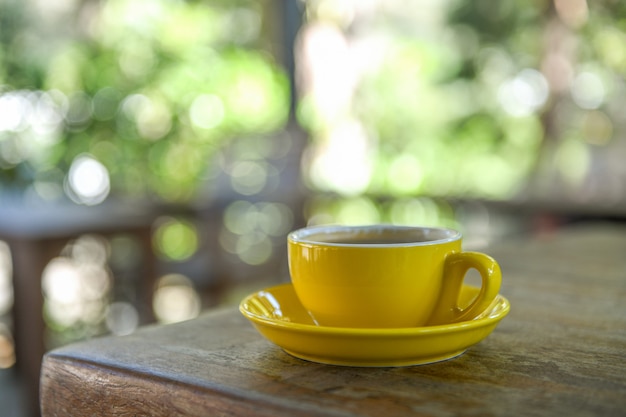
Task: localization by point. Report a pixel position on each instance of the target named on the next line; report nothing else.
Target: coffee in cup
(386, 276)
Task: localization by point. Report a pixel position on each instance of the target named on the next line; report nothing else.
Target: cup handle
(456, 266)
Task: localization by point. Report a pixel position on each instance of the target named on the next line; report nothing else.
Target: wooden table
(560, 352)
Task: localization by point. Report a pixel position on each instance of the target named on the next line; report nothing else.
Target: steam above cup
(386, 276)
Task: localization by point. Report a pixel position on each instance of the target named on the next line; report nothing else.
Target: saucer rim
(378, 362)
(477, 322)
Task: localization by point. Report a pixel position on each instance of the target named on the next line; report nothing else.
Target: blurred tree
(464, 99)
(147, 89)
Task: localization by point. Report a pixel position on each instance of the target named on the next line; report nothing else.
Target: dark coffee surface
(374, 236)
(365, 240)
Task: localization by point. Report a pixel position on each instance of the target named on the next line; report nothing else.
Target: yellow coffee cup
(386, 276)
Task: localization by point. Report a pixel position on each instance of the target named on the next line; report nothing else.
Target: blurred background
(155, 153)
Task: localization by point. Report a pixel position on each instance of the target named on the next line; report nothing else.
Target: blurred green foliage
(149, 88)
(475, 99)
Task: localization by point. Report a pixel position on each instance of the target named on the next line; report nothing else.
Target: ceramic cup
(386, 276)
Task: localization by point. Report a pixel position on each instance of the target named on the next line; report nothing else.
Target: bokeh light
(573, 160)
(588, 90)
(207, 111)
(88, 181)
(343, 161)
(252, 230)
(175, 239)
(524, 94)
(248, 177)
(121, 318)
(175, 299)
(7, 347)
(6, 279)
(76, 286)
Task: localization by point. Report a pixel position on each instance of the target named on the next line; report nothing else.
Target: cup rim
(302, 236)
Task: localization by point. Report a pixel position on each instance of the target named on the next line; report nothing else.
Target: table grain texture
(560, 352)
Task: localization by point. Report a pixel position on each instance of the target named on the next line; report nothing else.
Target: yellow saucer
(278, 315)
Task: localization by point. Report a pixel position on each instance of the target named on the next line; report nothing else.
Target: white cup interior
(376, 235)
